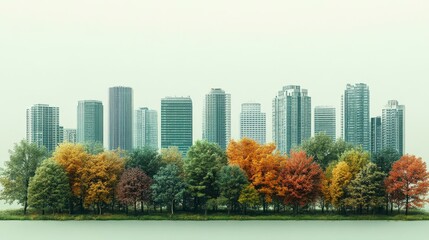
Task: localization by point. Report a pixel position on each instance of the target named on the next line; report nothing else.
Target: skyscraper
(121, 118)
(69, 135)
(253, 122)
(325, 121)
(90, 121)
(217, 117)
(393, 126)
(375, 134)
(291, 117)
(176, 123)
(146, 128)
(355, 119)
(43, 126)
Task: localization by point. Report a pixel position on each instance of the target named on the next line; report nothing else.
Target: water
(190, 230)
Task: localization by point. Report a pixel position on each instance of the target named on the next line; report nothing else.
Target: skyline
(59, 55)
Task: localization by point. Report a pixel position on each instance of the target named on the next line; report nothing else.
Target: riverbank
(18, 215)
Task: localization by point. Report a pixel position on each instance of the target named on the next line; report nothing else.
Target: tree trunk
(25, 207)
(99, 208)
(142, 207)
(135, 207)
(172, 207)
(406, 204)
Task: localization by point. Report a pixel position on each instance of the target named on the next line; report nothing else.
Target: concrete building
(325, 121)
(146, 128)
(253, 122)
(376, 143)
(69, 135)
(90, 121)
(43, 126)
(393, 126)
(121, 118)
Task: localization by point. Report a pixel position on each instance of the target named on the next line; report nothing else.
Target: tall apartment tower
(146, 128)
(89, 121)
(176, 123)
(121, 118)
(291, 117)
(217, 117)
(376, 143)
(69, 135)
(355, 119)
(325, 121)
(393, 126)
(43, 126)
(253, 122)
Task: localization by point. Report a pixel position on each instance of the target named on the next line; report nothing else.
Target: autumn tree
(100, 177)
(146, 158)
(249, 197)
(49, 188)
(202, 168)
(134, 187)
(73, 158)
(341, 177)
(357, 159)
(232, 181)
(408, 182)
(168, 186)
(300, 180)
(172, 155)
(325, 198)
(15, 178)
(367, 189)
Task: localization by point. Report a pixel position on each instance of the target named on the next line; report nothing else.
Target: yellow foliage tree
(341, 177)
(357, 159)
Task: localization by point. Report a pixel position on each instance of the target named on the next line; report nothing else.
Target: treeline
(320, 174)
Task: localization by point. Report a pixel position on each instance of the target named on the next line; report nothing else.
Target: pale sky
(60, 52)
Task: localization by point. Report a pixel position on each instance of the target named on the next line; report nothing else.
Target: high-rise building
(253, 122)
(43, 126)
(176, 123)
(89, 121)
(325, 121)
(291, 117)
(121, 118)
(376, 144)
(393, 126)
(217, 117)
(355, 119)
(146, 128)
(69, 135)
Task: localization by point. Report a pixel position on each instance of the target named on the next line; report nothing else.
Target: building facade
(69, 135)
(146, 128)
(291, 117)
(90, 121)
(176, 123)
(253, 122)
(393, 126)
(325, 121)
(376, 143)
(121, 118)
(43, 126)
(355, 119)
(217, 117)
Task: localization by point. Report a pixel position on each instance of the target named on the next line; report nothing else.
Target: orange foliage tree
(73, 158)
(261, 163)
(300, 180)
(408, 182)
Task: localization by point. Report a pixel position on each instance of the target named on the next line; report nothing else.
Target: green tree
(147, 159)
(249, 197)
(367, 189)
(49, 188)
(232, 180)
(385, 159)
(357, 159)
(15, 178)
(172, 155)
(202, 167)
(168, 187)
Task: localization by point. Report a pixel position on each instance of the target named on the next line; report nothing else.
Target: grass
(185, 216)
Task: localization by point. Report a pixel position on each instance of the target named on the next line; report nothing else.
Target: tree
(73, 158)
(232, 181)
(325, 198)
(249, 197)
(357, 159)
(172, 155)
(147, 159)
(367, 189)
(408, 181)
(15, 178)
(49, 188)
(341, 177)
(100, 178)
(133, 187)
(300, 180)
(202, 167)
(168, 187)
(93, 147)
(385, 159)
(245, 152)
